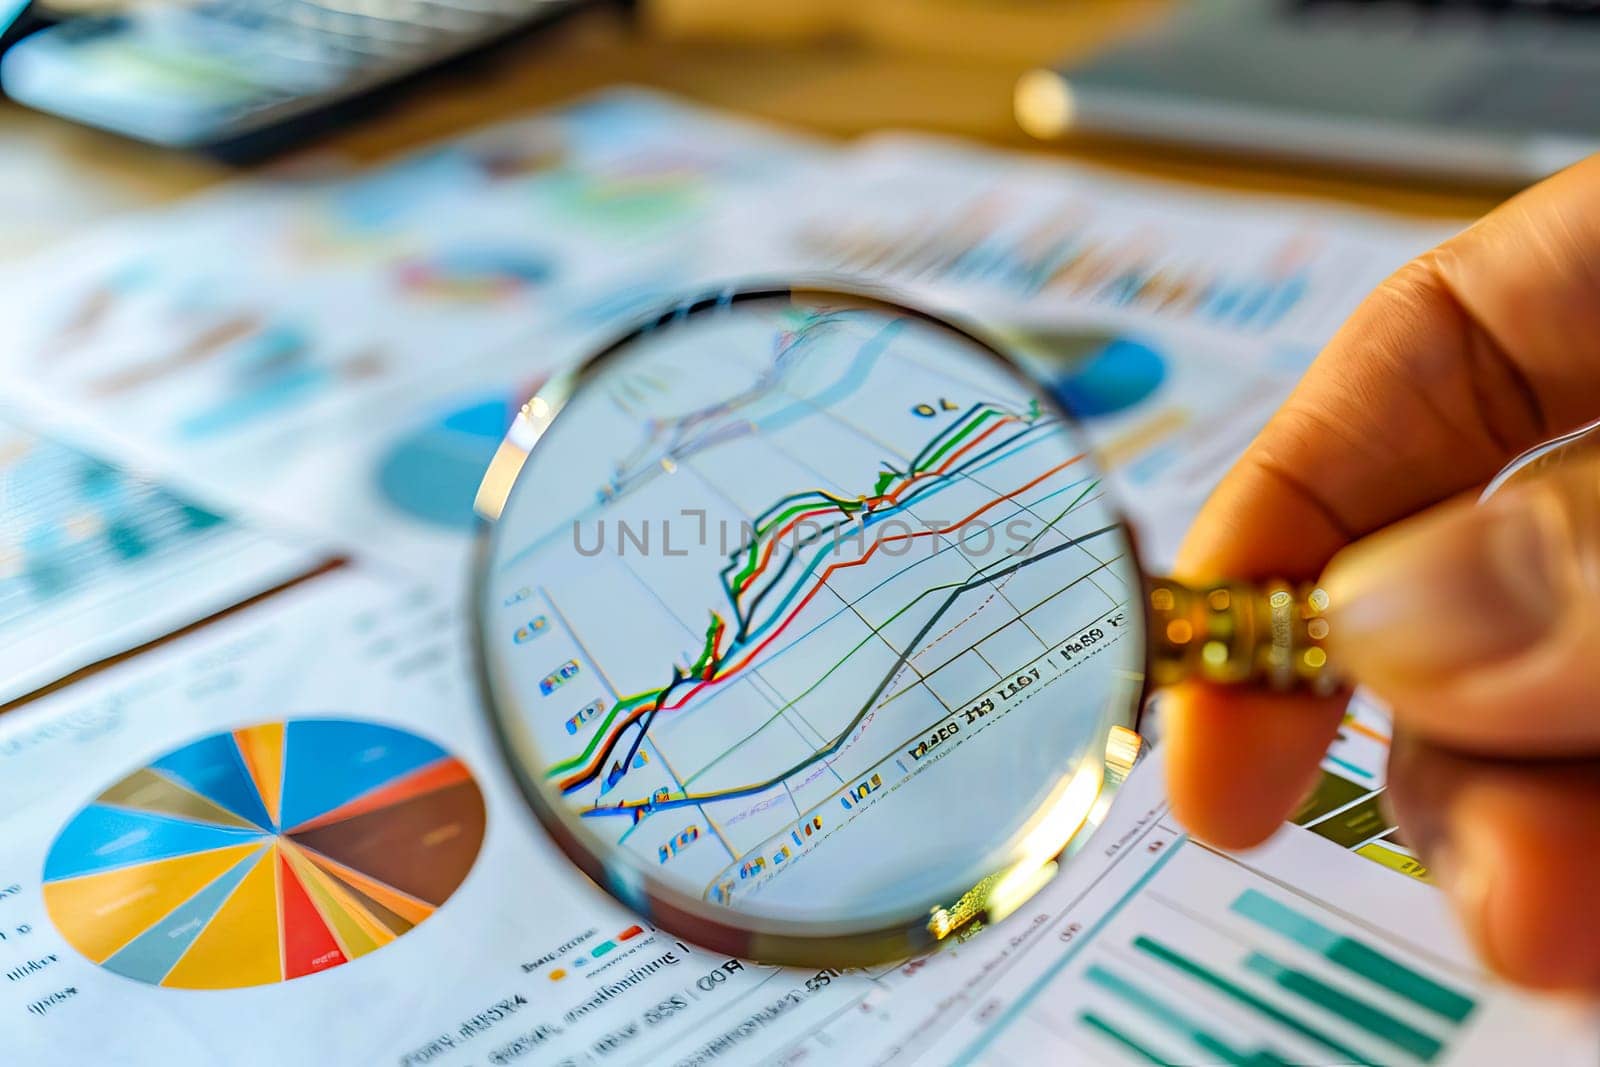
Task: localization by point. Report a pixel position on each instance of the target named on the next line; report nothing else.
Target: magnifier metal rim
(895, 934)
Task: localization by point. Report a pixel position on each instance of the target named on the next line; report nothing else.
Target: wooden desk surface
(952, 71)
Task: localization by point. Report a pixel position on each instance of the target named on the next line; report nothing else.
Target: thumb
(1481, 625)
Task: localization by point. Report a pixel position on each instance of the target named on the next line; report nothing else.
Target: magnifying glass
(811, 633)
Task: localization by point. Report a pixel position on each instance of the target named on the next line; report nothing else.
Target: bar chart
(1199, 958)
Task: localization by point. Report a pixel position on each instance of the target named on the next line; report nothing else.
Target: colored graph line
(948, 445)
(645, 703)
(639, 808)
(647, 460)
(874, 631)
(882, 511)
(739, 586)
(1346, 765)
(867, 556)
(692, 434)
(641, 701)
(1350, 723)
(791, 514)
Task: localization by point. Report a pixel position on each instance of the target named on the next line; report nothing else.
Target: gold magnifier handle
(1269, 634)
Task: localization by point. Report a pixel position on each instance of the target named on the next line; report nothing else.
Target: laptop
(1501, 93)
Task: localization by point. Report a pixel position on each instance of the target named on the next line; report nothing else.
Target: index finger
(1465, 357)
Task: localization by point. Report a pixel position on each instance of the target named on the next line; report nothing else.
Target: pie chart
(1108, 375)
(265, 854)
(431, 473)
(1092, 373)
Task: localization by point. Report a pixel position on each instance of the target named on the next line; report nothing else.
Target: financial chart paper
(96, 558)
(288, 838)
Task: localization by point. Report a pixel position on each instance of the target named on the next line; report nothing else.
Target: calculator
(243, 78)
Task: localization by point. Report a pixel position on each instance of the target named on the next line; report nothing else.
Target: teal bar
(1094, 1022)
(1355, 956)
(1417, 988)
(1263, 1058)
(1244, 996)
(1177, 1021)
(1258, 1058)
(1379, 1024)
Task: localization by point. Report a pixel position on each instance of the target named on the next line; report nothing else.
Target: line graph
(997, 580)
(921, 597)
(832, 746)
(677, 439)
(713, 665)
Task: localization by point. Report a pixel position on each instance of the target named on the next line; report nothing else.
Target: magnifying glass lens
(807, 625)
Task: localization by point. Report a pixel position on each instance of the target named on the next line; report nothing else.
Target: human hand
(1480, 626)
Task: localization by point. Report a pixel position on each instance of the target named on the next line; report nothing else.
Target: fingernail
(1449, 590)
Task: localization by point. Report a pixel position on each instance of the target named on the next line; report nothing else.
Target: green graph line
(625, 704)
(709, 659)
(713, 631)
(876, 630)
(955, 439)
(811, 498)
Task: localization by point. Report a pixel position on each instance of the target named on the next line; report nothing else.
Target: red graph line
(722, 676)
(872, 502)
